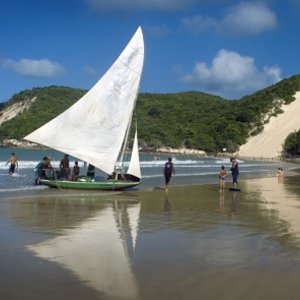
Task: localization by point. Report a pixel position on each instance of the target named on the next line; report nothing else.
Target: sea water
(192, 242)
(190, 170)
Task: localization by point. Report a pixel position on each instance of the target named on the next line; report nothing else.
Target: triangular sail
(134, 166)
(93, 128)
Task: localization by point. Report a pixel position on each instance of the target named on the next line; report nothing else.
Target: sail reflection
(98, 250)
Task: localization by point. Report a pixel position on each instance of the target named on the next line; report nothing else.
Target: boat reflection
(99, 250)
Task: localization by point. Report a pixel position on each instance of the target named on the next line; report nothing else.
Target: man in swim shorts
(13, 163)
(169, 170)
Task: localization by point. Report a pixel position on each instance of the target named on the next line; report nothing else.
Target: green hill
(191, 119)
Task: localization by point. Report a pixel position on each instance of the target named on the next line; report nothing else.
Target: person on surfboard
(234, 171)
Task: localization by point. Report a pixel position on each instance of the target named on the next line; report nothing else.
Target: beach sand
(268, 144)
(193, 242)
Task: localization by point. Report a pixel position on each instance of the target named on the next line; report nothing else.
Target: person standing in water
(13, 163)
(169, 170)
(40, 170)
(234, 171)
(280, 175)
(222, 175)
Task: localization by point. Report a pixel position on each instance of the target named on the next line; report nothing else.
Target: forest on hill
(193, 120)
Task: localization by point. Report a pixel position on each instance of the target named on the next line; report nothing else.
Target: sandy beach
(268, 144)
(154, 245)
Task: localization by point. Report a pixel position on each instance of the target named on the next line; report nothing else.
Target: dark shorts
(235, 178)
(12, 168)
(168, 178)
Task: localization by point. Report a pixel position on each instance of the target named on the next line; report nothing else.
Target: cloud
(34, 68)
(250, 18)
(160, 31)
(199, 23)
(231, 75)
(138, 5)
(245, 18)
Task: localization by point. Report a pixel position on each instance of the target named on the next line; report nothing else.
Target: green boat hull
(109, 185)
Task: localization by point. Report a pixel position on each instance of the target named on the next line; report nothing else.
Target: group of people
(234, 173)
(44, 170)
(169, 170)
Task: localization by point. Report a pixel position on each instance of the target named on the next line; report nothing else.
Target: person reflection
(222, 199)
(167, 206)
(233, 206)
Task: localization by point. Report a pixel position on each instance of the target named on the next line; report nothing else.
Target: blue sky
(223, 47)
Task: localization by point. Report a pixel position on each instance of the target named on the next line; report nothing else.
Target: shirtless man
(13, 163)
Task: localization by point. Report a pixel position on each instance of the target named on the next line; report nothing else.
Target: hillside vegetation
(190, 119)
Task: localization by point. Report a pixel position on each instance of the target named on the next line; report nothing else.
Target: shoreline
(21, 145)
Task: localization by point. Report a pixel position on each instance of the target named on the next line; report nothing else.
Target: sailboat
(96, 128)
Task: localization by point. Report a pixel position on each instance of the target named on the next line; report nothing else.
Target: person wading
(13, 163)
(169, 170)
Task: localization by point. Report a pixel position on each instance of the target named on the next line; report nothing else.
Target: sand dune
(13, 110)
(268, 144)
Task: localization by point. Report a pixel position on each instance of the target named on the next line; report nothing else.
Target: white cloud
(245, 18)
(249, 18)
(231, 75)
(134, 5)
(34, 68)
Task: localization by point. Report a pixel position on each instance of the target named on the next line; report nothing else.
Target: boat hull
(109, 185)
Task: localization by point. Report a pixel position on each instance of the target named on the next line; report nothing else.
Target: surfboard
(234, 189)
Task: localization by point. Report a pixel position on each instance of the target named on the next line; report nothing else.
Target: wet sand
(193, 242)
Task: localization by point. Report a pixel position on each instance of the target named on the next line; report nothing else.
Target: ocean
(190, 170)
(193, 242)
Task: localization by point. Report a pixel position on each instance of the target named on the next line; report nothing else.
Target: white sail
(93, 129)
(134, 166)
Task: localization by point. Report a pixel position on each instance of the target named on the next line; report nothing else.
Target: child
(222, 176)
(280, 174)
